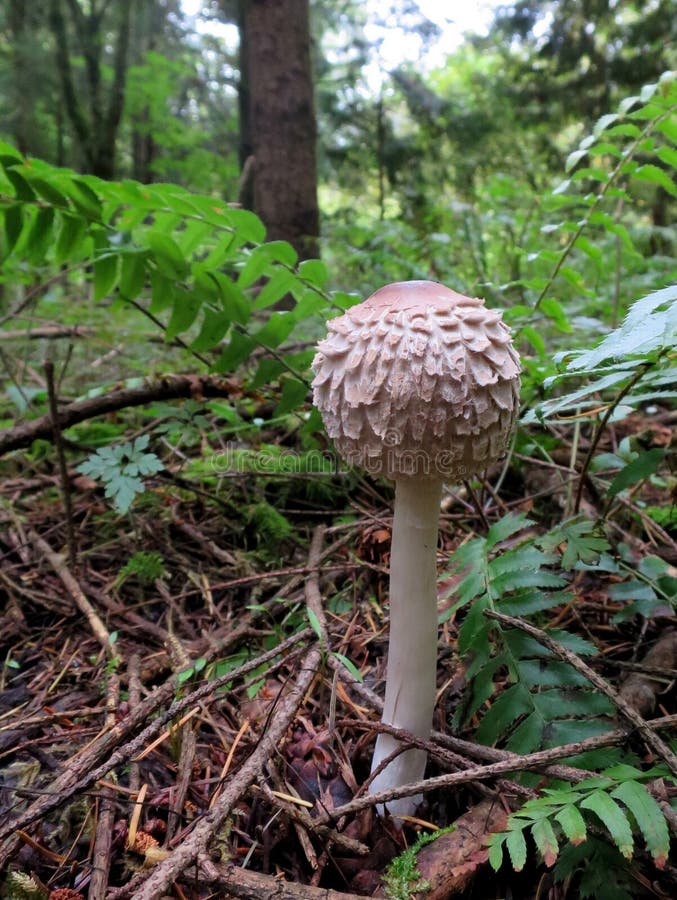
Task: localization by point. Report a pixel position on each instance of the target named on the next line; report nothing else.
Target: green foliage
(20, 886)
(194, 265)
(617, 799)
(121, 468)
(636, 361)
(581, 540)
(145, 566)
(507, 571)
(269, 524)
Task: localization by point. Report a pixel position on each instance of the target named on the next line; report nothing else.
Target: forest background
(181, 213)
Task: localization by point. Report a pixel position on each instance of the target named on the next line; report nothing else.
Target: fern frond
(533, 693)
(618, 799)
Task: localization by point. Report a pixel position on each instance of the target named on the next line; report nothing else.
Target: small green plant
(618, 800)
(195, 669)
(268, 523)
(120, 468)
(145, 566)
(402, 879)
(20, 886)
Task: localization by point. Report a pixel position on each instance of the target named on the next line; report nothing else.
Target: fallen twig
(80, 773)
(156, 884)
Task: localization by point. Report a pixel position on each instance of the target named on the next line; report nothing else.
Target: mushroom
(420, 384)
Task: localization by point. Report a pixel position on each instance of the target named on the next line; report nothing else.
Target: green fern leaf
(526, 557)
(613, 818)
(557, 704)
(528, 601)
(495, 843)
(648, 326)
(512, 704)
(512, 581)
(550, 673)
(528, 736)
(649, 818)
(568, 731)
(546, 841)
(573, 823)
(505, 528)
(517, 848)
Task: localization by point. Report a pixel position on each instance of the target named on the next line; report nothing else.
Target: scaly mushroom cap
(418, 380)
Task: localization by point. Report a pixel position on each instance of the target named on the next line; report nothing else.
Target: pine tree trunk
(278, 120)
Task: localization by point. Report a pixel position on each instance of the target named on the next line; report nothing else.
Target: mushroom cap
(418, 381)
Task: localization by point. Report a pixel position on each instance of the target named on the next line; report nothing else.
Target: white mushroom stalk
(420, 384)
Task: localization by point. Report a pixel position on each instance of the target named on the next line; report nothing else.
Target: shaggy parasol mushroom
(420, 384)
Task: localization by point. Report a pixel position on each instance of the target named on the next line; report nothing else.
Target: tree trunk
(96, 128)
(278, 124)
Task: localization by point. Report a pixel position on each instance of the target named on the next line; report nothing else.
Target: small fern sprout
(420, 384)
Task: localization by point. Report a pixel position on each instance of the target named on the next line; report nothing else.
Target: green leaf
(528, 736)
(168, 255)
(574, 158)
(349, 665)
(517, 848)
(81, 196)
(132, 275)
(512, 704)
(314, 271)
(603, 122)
(162, 291)
(314, 622)
(294, 393)
(267, 371)
(234, 302)
(573, 824)
(668, 155)
(546, 841)
(22, 189)
(496, 842)
(40, 236)
(48, 191)
(649, 818)
(640, 468)
(277, 329)
(649, 325)
(215, 325)
(185, 309)
(506, 527)
(9, 156)
(248, 226)
(237, 351)
(71, 234)
(277, 286)
(613, 818)
(105, 276)
(656, 175)
(14, 223)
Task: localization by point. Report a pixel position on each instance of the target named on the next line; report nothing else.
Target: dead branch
(168, 387)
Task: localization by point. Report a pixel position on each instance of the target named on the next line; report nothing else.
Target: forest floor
(177, 717)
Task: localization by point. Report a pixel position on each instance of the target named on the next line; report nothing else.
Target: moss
(402, 878)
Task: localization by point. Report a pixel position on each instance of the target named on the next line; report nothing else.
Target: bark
(278, 119)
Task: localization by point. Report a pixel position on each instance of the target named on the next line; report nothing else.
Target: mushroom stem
(412, 652)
